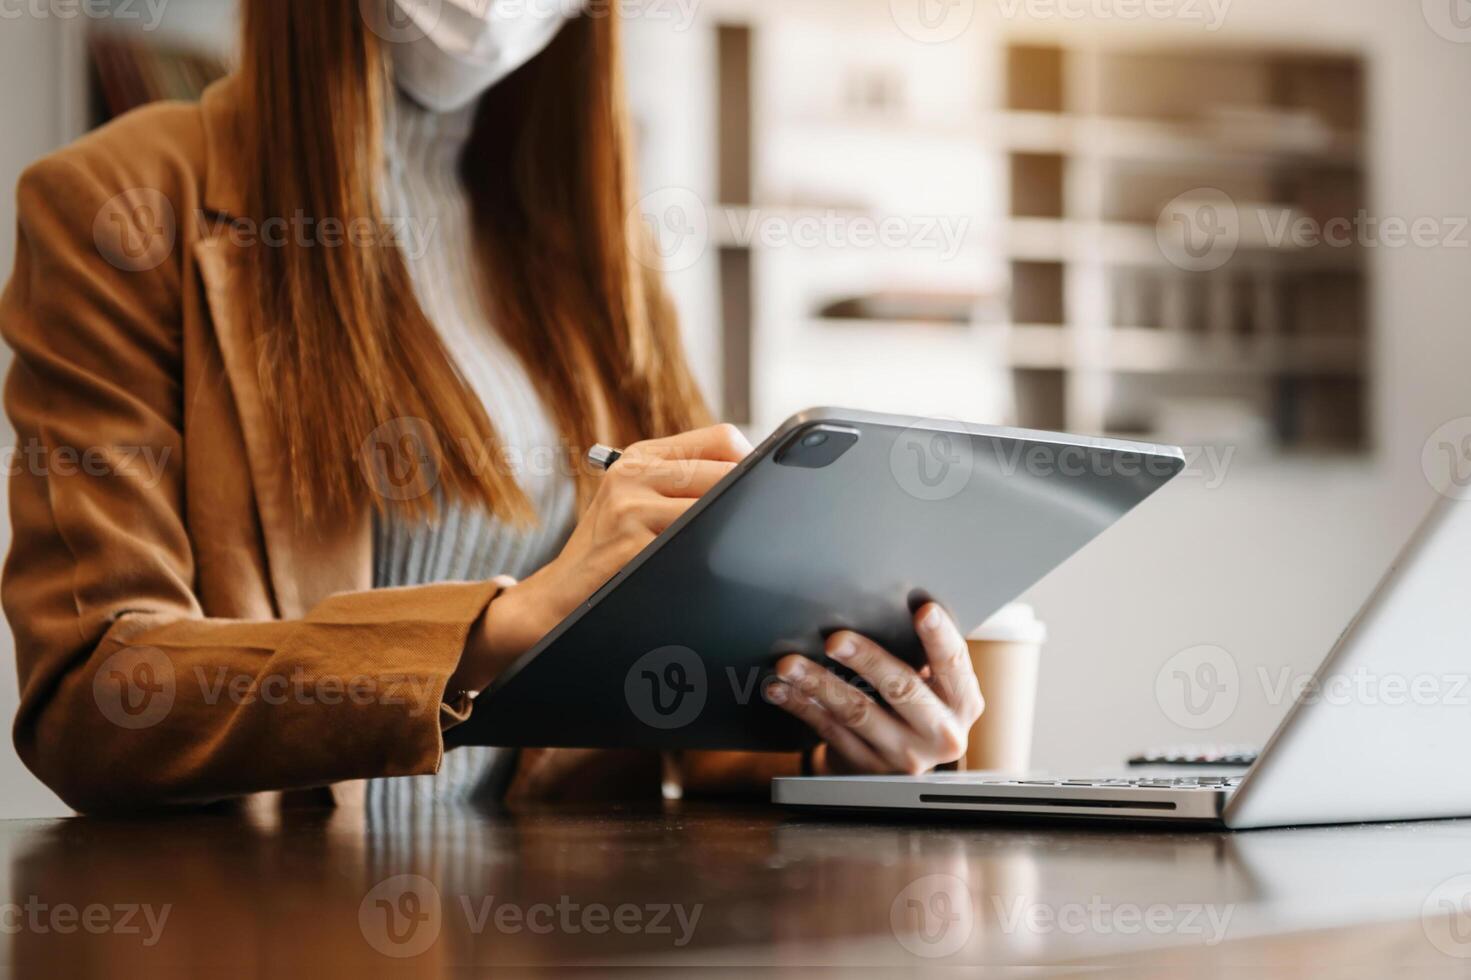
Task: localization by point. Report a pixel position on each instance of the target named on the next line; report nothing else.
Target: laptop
(1383, 731)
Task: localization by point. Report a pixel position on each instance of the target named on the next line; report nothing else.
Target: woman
(264, 533)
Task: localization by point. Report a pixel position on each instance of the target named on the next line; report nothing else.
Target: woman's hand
(930, 711)
(642, 494)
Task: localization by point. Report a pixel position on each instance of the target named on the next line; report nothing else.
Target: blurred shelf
(1165, 142)
(1145, 350)
(739, 225)
(1028, 346)
(1128, 243)
(1091, 159)
(1041, 346)
(1139, 350)
(887, 127)
(1112, 138)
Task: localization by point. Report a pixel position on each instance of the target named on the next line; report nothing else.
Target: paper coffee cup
(1006, 652)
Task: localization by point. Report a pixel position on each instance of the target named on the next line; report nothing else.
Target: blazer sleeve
(130, 696)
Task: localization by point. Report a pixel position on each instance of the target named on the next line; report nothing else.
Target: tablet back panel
(674, 652)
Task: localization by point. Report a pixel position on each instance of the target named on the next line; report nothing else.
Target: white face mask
(451, 51)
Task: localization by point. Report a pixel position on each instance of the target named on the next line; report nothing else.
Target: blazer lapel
(306, 564)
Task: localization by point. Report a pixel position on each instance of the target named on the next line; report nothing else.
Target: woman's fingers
(857, 712)
(725, 443)
(839, 739)
(903, 689)
(952, 674)
(689, 478)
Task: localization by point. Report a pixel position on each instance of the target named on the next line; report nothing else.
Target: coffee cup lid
(1016, 623)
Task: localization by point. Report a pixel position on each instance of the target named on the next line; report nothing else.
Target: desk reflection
(447, 887)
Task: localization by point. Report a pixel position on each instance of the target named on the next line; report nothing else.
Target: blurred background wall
(1097, 215)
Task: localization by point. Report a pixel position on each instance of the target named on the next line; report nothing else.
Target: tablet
(840, 520)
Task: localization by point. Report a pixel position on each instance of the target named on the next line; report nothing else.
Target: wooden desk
(706, 888)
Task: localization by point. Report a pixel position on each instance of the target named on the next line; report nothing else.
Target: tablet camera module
(817, 446)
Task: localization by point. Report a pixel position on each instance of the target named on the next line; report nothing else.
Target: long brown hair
(345, 350)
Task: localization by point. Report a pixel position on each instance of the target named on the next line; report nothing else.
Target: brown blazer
(181, 636)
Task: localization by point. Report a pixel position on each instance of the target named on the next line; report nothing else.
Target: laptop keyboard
(1146, 782)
